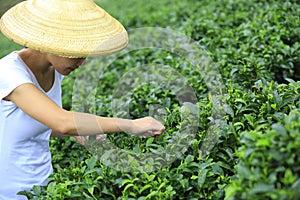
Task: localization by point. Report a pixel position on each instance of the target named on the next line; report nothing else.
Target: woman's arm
(37, 105)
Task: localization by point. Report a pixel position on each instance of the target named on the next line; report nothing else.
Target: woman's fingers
(147, 126)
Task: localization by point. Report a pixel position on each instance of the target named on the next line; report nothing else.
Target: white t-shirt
(25, 158)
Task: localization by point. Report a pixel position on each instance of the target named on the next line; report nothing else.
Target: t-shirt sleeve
(12, 76)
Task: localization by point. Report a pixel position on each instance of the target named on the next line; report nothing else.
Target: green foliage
(255, 45)
(268, 166)
(7, 46)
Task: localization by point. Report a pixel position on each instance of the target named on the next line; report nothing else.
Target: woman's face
(65, 65)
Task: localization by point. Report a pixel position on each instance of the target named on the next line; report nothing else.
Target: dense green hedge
(255, 45)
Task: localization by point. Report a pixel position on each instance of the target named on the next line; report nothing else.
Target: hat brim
(65, 28)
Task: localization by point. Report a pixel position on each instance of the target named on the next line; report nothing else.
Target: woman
(59, 35)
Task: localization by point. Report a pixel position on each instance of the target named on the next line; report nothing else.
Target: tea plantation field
(223, 76)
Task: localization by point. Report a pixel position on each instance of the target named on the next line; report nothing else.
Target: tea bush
(268, 162)
(255, 46)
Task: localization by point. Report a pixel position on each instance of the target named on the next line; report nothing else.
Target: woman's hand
(146, 126)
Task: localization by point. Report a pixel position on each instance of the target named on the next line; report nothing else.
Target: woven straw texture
(68, 28)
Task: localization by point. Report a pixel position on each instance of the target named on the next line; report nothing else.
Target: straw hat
(68, 28)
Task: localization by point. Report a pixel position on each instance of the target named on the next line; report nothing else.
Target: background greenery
(255, 45)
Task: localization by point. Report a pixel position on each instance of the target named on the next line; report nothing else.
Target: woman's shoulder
(11, 61)
(9, 56)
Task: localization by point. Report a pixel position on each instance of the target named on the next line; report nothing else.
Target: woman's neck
(38, 63)
(35, 60)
